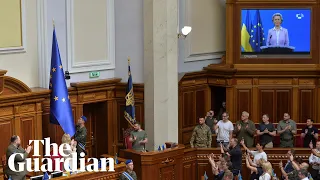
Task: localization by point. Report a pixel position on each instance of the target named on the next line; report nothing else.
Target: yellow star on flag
(63, 99)
(53, 69)
(56, 98)
(60, 66)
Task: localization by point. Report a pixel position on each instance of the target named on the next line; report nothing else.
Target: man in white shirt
(224, 130)
(314, 161)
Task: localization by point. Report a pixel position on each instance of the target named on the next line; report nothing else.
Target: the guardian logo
(67, 162)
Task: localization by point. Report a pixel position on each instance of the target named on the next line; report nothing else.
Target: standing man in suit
(13, 148)
(277, 36)
(81, 136)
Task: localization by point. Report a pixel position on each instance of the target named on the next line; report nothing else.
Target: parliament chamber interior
(161, 90)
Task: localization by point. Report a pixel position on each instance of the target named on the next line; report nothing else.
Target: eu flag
(60, 107)
(129, 112)
(257, 35)
(245, 33)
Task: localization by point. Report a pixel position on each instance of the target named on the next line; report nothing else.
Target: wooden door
(97, 124)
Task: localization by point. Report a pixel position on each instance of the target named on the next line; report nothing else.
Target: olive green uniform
(17, 160)
(132, 174)
(286, 138)
(140, 136)
(246, 132)
(80, 137)
(201, 136)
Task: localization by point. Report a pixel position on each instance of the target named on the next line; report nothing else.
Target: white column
(161, 71)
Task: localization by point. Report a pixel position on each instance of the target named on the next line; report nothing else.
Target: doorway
(97, 126)
(218, 96)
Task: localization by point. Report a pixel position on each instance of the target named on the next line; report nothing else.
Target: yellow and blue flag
(257, 34)
(60, 107)
(205, 176)
(129, 112)
(245, 33)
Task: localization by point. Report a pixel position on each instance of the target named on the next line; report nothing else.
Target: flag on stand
(129, 112)
(60, 107)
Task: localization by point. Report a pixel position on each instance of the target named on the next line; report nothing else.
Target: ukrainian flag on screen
(245, 34)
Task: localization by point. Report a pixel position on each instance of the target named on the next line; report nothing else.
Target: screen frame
(314, 29)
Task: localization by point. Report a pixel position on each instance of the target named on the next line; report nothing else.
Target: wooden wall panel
(267, 102)
(167, 172)
(27, 130)
(188, 113)
(243, 103)
(204, 166)
(189, 170)
(283, 103)
(6, 128)
(306, 104)
(200, 104)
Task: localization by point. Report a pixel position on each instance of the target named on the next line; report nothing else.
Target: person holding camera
(211, 121)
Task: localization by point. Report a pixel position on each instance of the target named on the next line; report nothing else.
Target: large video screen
(275, 31)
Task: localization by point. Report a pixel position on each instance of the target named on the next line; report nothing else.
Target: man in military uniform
(81, 136)
(129, 174)
(14, 148)
(287, 128)
(201, 136)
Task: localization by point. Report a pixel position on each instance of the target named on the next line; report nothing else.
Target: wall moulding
(93, 65)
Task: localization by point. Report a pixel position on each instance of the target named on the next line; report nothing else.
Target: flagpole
(53, 24)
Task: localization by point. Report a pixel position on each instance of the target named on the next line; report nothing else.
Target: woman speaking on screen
(278, 36)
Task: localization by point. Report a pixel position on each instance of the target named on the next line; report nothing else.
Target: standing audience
(266, 131)
(210, 120)
(287, 129)
(224, 130)
(245, 129)
(309, 134)
(201, 136)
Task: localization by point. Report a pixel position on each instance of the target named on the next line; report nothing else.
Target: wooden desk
(156, 165)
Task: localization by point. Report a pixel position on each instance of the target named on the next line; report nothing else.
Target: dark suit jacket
(12, 150)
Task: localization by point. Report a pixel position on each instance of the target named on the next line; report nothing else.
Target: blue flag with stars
(129, 112)
(60, 107)
(257, 35)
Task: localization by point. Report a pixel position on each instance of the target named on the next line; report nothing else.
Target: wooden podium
(165, 164)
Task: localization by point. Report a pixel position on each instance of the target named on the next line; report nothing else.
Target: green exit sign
(94, 74)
